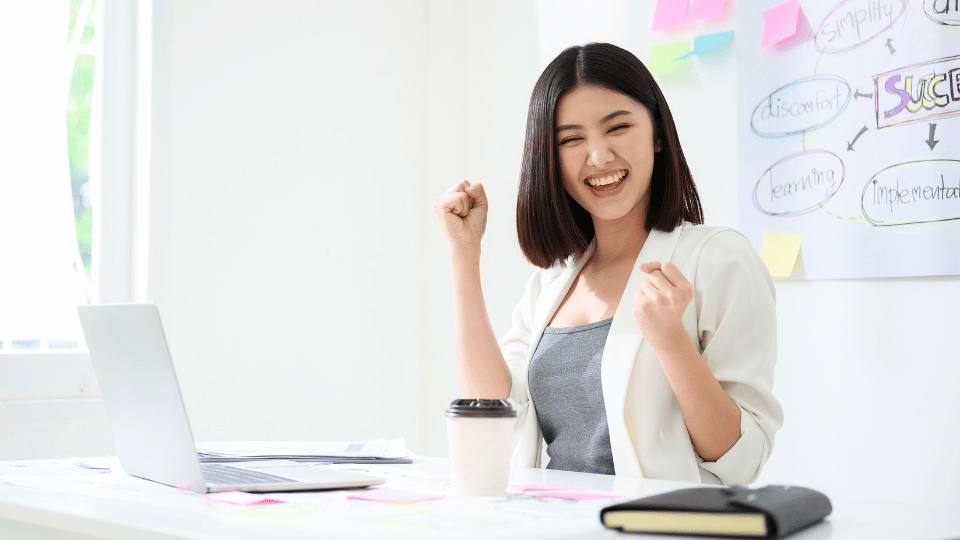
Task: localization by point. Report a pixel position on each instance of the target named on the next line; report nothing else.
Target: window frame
(122, 42)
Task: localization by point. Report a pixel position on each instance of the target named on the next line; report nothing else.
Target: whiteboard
(847, 135)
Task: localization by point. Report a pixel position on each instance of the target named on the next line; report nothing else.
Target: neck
(620, 241)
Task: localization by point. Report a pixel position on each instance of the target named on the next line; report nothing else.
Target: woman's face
(606, 147)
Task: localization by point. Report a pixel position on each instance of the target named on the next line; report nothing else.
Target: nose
(600, 154)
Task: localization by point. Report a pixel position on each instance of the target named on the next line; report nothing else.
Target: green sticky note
(663, 58)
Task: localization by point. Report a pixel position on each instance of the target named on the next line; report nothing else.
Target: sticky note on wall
(669, 14)
(663, 57)
(705, 9)
(781, 253)
(780, 22)
(704, 45)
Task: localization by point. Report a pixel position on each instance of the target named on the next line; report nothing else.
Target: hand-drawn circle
(905, 195)
(839, 15)
(815, 114)
(930, 9)
(813, 178)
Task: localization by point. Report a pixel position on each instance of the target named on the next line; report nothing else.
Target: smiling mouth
(607, 182)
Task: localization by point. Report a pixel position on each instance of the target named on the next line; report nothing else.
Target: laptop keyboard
(225, 475)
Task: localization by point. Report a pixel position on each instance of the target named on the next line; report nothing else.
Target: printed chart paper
(427, 510)
(848, 136)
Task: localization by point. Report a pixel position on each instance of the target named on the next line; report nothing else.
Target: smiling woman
(627, 352)
(622, 98)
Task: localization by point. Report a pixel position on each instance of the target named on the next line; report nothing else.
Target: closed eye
(619, 127)
(569, 140)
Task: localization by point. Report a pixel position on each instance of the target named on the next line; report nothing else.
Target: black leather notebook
(768, 512)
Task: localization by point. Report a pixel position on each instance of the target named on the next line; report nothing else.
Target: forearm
(711, 416)
(482, 370)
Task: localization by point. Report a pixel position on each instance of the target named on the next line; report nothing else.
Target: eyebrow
(604, 120)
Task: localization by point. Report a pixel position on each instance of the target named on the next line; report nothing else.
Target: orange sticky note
(780, 22)
(670, 15)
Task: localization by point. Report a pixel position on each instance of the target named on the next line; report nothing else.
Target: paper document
(378, 450)
(328, 514)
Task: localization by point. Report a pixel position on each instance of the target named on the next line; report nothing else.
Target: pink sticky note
(393, 496)
(578, 495)
(706, 9)
(780, 22)
(670, 14)
(241, 498)
(545, 487)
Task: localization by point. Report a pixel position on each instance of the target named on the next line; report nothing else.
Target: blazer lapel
(547, 304)
(554, 294)
(620, 354)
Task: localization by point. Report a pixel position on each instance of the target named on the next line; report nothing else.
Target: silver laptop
(149, 421)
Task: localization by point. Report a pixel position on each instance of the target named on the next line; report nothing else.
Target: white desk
(128, 508)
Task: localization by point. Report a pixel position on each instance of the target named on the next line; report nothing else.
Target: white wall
(482, 66)
(293, 253)
(288, 157)
(303, 283)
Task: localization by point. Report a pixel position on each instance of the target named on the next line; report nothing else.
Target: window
(66, 179)
(46, 216)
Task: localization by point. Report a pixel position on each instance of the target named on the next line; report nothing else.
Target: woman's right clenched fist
(462, 213)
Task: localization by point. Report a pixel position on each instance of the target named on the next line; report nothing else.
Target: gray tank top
(565, 387)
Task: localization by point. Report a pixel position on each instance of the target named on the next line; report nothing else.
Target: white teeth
(606, 181)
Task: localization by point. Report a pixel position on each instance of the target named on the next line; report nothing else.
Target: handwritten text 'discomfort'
(803, 105)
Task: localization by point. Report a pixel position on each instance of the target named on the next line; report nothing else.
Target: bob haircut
(551, 226)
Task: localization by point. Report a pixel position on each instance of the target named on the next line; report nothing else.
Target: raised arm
(462, 214)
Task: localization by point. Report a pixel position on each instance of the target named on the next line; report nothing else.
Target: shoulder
(713, 242)
(720, 257)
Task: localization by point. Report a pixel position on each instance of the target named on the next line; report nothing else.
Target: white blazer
(732, 318)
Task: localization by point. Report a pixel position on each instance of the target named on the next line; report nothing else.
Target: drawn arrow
(890, 45)
(859, 95)
(850, 144)
(930, 142)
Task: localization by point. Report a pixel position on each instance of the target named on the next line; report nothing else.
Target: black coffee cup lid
(481, 408)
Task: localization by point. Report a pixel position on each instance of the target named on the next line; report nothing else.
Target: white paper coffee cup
(479, 433)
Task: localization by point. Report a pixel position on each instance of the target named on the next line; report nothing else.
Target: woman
(645, 343)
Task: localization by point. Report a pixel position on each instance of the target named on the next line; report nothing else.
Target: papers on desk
(393, 496)
(414, 504)
(241, 498)
(376, 451)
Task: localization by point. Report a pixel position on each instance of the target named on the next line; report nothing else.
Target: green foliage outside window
(78, 128)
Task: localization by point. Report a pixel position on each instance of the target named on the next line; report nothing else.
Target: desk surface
(58, 499)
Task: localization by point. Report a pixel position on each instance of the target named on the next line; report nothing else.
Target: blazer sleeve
(737, 325)
(515, 345)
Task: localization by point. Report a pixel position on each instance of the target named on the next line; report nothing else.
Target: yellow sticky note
(781, 253)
